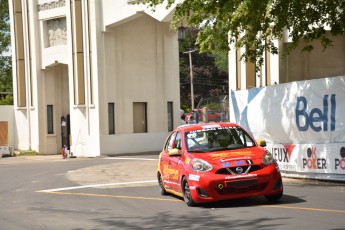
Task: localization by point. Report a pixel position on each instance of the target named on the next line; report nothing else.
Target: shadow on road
(203, 220)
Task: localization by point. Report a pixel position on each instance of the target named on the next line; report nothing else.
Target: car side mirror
(174, 152)
(262, 143)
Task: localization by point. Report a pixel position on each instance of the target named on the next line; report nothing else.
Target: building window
(50, 120)
(56, 32)
(140, 117)
(170, 116)
(111, 118)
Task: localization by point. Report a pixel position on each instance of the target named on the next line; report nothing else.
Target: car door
(174, 163)
(165, 163)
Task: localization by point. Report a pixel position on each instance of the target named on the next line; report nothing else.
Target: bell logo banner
(302, 122)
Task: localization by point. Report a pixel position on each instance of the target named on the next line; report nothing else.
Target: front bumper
(215, 187)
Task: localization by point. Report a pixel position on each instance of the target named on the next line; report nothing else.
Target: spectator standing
(191, 120)
(183, 119)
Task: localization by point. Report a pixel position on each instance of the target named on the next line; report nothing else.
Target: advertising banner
(303, 122)
(310, 158)
(299, 112)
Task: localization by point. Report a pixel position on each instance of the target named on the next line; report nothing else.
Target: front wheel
(187, 197)
(274, 197)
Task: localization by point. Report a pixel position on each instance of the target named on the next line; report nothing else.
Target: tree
(6, 86)
(5, 37)
(209, 80)
(255, 24)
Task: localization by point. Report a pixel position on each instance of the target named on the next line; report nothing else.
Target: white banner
(308, 115)
(299, 112)
(310, 158)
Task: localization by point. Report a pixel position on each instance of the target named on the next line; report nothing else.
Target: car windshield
(216, 139)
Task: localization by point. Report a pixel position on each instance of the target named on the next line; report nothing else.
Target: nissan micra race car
(217, 161)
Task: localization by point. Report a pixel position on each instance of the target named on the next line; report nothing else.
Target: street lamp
(191, 76)
(181, 34)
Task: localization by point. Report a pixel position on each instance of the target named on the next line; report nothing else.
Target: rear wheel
(161, 186)
(187, 197)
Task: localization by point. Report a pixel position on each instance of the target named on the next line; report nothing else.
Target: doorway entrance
(65, 132)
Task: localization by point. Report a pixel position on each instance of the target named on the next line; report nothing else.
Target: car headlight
(267, 159)
(199, 165)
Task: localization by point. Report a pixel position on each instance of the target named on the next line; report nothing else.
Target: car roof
(202, 126)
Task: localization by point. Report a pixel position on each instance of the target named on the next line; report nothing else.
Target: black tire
(161, 186)
(274, 197)
(187, 197)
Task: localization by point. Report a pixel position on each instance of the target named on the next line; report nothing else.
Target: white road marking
(127, 158)
(110, 184)
(97, 185)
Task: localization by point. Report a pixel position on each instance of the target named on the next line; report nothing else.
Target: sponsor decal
(173, 173)
(226, 164)
(194, 177)
(240, 163)
(313, 162)
(193, 133)
(282, 155)
(317, 119)
(231, 154)
(240, 176)
(236, 163)
(340, 162)
(210, 126)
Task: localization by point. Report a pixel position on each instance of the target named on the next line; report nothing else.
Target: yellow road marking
(112, 196)
(177, 200)
(303, 208)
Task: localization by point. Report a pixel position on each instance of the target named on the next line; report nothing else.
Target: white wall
(319, 63)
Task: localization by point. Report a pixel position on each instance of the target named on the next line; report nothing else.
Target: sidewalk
(117, 171)
(23, 159)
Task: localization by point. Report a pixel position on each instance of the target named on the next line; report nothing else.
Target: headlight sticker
(194, 177)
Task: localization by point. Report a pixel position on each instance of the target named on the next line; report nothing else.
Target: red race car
(217, 161)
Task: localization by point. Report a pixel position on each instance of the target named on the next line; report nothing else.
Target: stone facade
(101, 77)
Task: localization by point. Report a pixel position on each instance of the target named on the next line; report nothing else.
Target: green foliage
(213, 106)
(6, 85)
(208, 79)
(7, 100)
(5, 38)
(221, 60)
(256, 24)
(185, 108)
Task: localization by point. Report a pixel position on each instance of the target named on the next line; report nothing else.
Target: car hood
(253, 153)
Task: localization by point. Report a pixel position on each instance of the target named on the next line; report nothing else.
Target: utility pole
(191, 76)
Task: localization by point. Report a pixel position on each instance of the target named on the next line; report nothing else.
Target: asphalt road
(48, 192)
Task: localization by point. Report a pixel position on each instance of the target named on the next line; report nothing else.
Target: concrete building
(297, 66)
(101, 77)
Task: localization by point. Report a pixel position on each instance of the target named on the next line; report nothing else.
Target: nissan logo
(239, 170)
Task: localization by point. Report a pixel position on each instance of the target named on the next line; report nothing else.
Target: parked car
(212, 115)
(217, 161)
